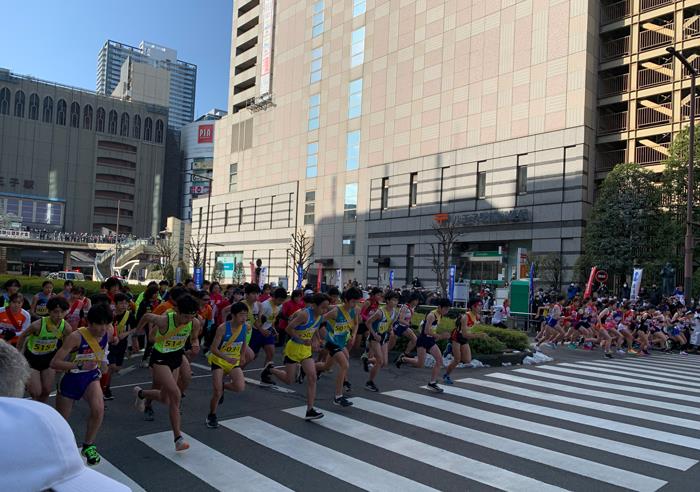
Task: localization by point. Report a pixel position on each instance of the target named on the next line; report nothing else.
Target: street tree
(446, 236)
(166, 251)
(301, 251)
(195, 251)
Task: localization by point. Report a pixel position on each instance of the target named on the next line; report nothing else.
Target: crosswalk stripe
(216, 469)
(660, 364)
(430, 455)
(652, 375)
(579, 418)
(549, 431)
(590, 405)
(599, 394)
(622, 379)
(673, 360)
(363, 475)
(602, 384)
(273, 387)
(659, 369)
(107, 468)
(555, 459)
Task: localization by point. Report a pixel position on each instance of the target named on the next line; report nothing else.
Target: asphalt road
(579, 423)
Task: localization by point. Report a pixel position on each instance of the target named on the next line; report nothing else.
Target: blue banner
(451, 293)
(532, 287)
(391, 279)
(300, 275)
(178, 275)
(198, 278)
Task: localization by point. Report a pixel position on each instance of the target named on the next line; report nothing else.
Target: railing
(652, 38)
(695, 63)
(612, 122)
(652, 116)
(693, 29)
(615, 48)
(609, 159)
(614, 11)
(685, 109)
(648, 77)
(14, 234)
(646, 156)
(617, 84)
(645, 5)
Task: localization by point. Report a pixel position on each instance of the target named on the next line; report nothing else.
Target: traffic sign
(601, 276)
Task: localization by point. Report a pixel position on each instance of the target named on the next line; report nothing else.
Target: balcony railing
(648, 77)
(614, 11)
(609, 159)
(615, 48)
(617, 84)
(612, 122)
(645, 5)
(653, 116)
(692, 27)
(685, 109)
(648, 156)
(651, 38)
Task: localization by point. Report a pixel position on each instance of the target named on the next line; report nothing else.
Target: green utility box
(520, 297)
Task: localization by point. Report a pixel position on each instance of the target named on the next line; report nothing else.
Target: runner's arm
(218, 336)
(375, 316)
(59, 362)
(35, 301)
(31, 329)
(194, 336)
(299, 318)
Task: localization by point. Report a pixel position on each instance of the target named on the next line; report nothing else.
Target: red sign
(205, 134)
(601, 276)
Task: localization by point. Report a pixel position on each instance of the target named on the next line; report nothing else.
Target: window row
(354, 104)
(352, 154)
(349, 205)
(112, 123)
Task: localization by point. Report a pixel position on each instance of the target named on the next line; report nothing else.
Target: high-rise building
(183, 75)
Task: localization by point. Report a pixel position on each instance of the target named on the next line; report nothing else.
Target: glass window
(522, 180)
(100, 120)
(355, 99)
(33, 107)
(385, 193)
(5, 100)
(28, 210)
(481, 184)
(316, 64)
(357, 48)
(350, 207)
(314, 111)
(317, 25)
(159, 131)
(87, 117)
(42, 213)
(310, 208)
(413, 190)
(112, 124)
(47, 112)
(348, 245)
(75, 115)
(358, 7)
(55, 211)
(136, 129)
(19, 104)
(233, 177)
(352, 153)
(148, 129)
(61, 112)
(124, 125)
(12, 206)
(312, 160)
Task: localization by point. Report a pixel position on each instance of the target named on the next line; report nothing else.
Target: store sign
(205, 134)
(202, 164)
(493, 217)
(199, 189)
(268, 19)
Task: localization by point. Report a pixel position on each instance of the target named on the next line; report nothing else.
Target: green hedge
(32, 285)
(512, 339)
(486, 346)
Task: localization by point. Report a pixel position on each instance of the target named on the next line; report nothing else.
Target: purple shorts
(74, 384)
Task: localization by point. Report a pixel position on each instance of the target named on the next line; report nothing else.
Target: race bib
(45, 346)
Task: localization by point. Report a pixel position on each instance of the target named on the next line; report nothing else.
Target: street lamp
(688, 264)
(206, 230)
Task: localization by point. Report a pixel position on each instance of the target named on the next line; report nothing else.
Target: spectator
(501, 314)
(572, 291)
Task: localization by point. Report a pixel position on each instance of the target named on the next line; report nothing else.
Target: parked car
(66, 276)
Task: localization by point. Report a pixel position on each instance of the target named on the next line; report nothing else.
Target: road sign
(601, 276)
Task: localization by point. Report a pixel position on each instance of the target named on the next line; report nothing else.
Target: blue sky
(58, 40)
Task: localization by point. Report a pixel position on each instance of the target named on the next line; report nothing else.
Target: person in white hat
(28, 427)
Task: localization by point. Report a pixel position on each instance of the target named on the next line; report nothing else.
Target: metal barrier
(15, 234)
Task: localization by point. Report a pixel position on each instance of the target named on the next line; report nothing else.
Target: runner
(341, 330)
(39, 343)
(264, 336)
(460, 336)
(67, 289)
(367, 310)
(86, 348)
(79, 306)
(381, 323)
(225, 358)
(252, 292)
(124, 323)
(14, 319)
(148, 304)
(40, 299)
(427, 343)
(169, 336)
(298, 352)
(402, 327)
(294, 304)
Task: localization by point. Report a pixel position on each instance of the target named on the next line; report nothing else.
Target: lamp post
(688, 263)
(206, 230)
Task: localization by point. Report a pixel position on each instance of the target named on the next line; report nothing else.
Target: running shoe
(433, 386)
(148, 414)
(91, 454)
(107, 394)
(632, 352)
(608, 355)
(399, 361)
(347, 386)
(588, 346)
(312, 414)
(342, 401)
(265, 377)
(645, 352)
(181, 444)
(143, 364)
(448, 350)
(683, 352)
(370, 386)
(212, 421)
(447, 379)
(139, 403)
(365, 362)
(621, 351)
(573, 346)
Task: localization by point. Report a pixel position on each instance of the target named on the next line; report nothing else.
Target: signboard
(202, 164)
(228, 270)
(391, 279)
(300, 275)
(263, 277)
(198, 277)
(339, 278)
(601, 276)
(178, 275)
(589, 286)
(493, 217)
(268, 19)
(636, 283)
(522, 264)
(205, 133)
(283, 282)
(199, 189)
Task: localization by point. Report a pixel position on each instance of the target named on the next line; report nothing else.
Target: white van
(67, 276)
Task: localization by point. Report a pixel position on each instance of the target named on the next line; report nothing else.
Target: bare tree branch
(301, 251)
(195, 250)
(447, 235)
(166, 250)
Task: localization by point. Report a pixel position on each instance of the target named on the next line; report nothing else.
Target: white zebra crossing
(645, 374)
(655, 364)
(107, 468)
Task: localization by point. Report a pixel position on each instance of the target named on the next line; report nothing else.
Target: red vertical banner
(318, 279)
(589, 285)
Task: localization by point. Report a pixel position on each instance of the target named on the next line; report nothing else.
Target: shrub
(486, 346)
(32, 285)
(513, 339)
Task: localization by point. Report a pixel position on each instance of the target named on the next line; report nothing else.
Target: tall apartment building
(364, 121)
(644, 95)
(183, 75)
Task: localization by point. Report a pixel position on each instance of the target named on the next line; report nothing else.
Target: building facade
(78, 161)
(364, 122)
(197, 144)
(183, 75)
